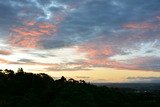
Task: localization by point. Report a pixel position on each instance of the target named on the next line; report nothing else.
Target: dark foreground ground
(40, 90)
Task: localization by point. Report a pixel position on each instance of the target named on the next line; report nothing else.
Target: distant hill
(23, 89)
(137, 86)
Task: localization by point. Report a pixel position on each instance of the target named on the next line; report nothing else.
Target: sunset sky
(93, 40)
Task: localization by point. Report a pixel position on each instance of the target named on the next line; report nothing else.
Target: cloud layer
(98, 33)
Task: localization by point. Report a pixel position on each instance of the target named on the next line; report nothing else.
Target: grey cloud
(7, 18)
(144, 63)
(153, 63)
(44, 2)
(63, 68)
(14, 12)
(25, 60)
(83, 77)
(144, 79)
(80, 24)
(104, 20)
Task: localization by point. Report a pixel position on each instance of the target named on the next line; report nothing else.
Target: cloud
(144, 79)
(76, 20)
(82, 77)
(146, 26)
(76, 30)
(4, 61)
(28, 62)
(31, 33)
(31, 62)
(139, 63)
(148, 63)
(107, 56)
(96, 55)
(158, 17)
(67, 67)
(36, 20)
(5, 52)
(25, 60)
(114, 34)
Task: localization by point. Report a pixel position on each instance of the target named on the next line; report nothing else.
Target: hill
(23, 89)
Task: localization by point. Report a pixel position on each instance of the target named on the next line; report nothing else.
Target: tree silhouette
(23, 89)
(63, 79)
(73, 81)
(20, 70)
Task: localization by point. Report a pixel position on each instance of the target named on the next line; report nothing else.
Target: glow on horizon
(102, 75)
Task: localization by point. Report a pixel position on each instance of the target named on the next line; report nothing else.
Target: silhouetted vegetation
(23, 89)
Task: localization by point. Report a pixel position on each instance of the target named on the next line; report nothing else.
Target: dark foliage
(23, 89)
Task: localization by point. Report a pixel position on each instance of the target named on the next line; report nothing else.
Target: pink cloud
(158, 17)
(94, 50)
(30, 33)
(141, 25)
(99, 56)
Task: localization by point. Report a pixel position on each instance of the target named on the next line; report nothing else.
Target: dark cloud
(14, 13)
(25, 60)
(7, 18)
(106, 18)
(144, 79)
(88, 20)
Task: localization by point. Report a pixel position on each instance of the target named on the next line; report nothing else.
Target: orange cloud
(4, 61)
(5, 52)
(142, 25)
(28, 42)
(30, 33)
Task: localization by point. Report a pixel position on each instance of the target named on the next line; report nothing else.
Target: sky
(93, 40)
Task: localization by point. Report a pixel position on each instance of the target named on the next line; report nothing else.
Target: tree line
(22, 89)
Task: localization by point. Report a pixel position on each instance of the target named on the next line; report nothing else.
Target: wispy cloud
(151, 79)
(4, 61)
(146, 26)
